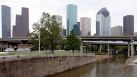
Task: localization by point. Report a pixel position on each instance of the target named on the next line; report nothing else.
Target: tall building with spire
(71, 17)
(103, 23)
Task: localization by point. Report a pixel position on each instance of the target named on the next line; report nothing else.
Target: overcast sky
(86, 8)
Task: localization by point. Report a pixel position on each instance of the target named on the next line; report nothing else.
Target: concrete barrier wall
(42, 66)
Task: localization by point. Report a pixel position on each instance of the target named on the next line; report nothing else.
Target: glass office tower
(103, 23)
(6, 21)
(76, 29)
(71, 17)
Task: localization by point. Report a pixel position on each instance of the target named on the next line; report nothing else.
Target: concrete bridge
(13, 43)
(129, 39)
(6, 42)
(108, 38)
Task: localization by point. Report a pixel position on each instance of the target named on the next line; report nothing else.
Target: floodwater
(114, 67)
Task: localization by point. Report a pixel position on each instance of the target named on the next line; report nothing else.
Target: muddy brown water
(114, 67)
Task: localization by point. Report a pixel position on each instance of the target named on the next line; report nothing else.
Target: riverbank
(42, 66)
(45, 65)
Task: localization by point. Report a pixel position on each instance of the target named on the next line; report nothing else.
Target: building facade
(6, 21)
(71, 17)
(21, 29)
(116, 31)
(76, 29)
(128, 25)
(135, 34)
(59, 21)
(103, 23)
(85, 26)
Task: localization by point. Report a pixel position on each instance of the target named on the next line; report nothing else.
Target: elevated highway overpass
(129, 40)
(107, 38)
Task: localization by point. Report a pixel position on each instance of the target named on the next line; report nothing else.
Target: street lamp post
(39, 40)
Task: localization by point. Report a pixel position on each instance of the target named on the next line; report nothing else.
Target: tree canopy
(49, 31)
(73, 43)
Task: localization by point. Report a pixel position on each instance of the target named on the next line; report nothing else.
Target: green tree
(49, 30)
(55, 36)
(73, 43)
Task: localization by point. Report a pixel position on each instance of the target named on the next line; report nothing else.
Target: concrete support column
(100, 48)
(81, 47)
(132, 49)
(108, 49)
(7, 45)
(128, 49)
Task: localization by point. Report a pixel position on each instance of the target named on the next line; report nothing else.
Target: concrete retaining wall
(42, 66)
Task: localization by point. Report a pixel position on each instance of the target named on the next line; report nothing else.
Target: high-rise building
(6, 21)
(116, 31)
(25, 21)
(22, 24)
(17, 29)
(71, 17)
(103, 23)
(85, 26)
(59, 21)
(128, 25)
(76, 29)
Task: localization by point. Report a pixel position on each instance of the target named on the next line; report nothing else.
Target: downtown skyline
(85, 8)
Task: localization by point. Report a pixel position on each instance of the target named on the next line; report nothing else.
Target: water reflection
(84, 71)
(108, 68)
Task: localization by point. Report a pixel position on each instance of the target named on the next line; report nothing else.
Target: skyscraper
(103, 23)
(116, 31)
(85, 26)
(76, 29)
(128, 25)
(71, 17)
(6, 21)
(25, 21)
(59, 21)
(17, 29)
(22, 24)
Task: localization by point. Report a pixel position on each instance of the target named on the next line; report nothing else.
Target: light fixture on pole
(39, 40)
